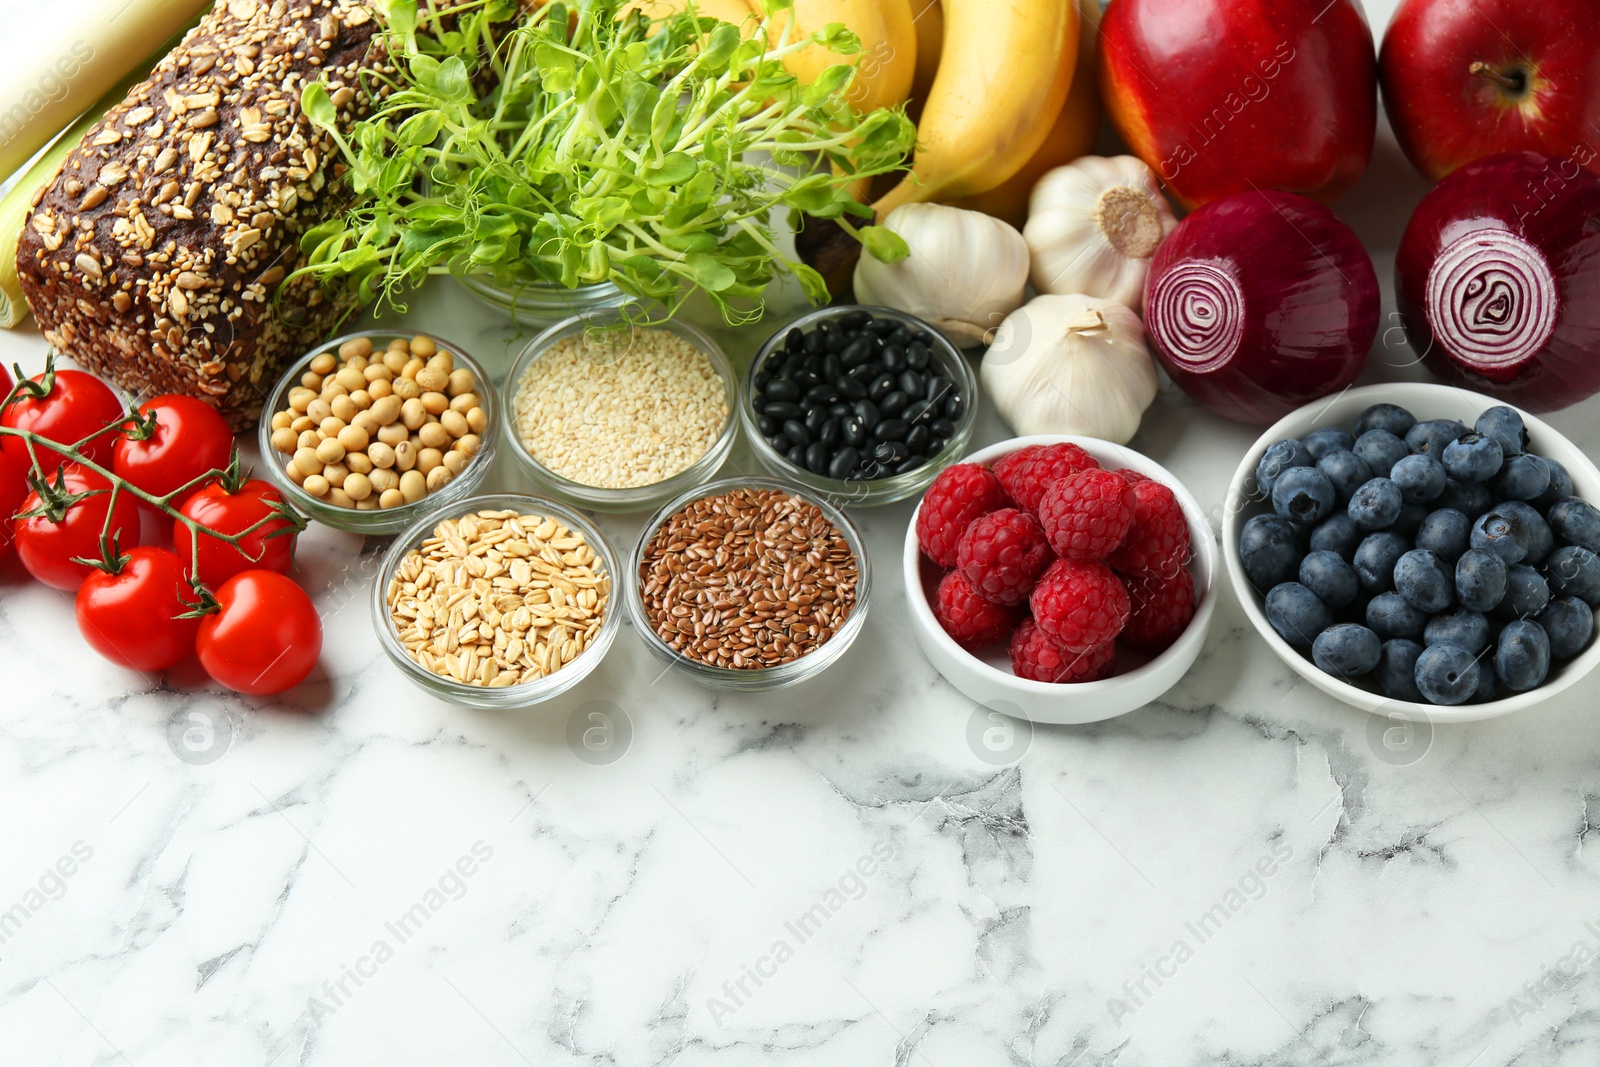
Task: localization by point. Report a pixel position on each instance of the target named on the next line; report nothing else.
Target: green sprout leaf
(884, 244)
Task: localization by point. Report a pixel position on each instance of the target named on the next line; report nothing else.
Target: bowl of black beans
(865, 405)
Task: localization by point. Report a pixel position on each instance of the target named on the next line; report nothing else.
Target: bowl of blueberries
(1420, 551)
(863, 405)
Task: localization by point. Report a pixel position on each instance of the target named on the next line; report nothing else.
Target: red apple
(1225, 96)
(1464, 79)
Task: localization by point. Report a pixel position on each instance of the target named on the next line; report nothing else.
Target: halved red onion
(1261, 302)
(1498, 279)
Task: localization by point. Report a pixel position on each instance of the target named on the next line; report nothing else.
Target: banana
(888, 58)
(929, 18)
(1003, 76)
(1072, 136)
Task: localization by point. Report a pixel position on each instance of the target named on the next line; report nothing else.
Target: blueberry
(1522, 478)
(1472, 499)
(1481, 579)
(1561, 485)
(1445, 532)
(1447, 674)
(1396, 672)
(1329, 439)
(1346, 470)
(1331, 578)
(1488, 685)
(1389, 417)
(1376, 504)
(1375, 560)
(1522, 657)
(1420, 478)
(1472, 457)
(1426, 581)
(1506, 427)
(1530, 530)
(1467, 629)
(1269, 548)
(1381, 450)
(1576, 522)
(1389, 616)
(1346, 651)
(1498, 534)
(1575, 571)
(1303, 494)
(1338, 533)
(1296, 613)
(1410, 520)
(1569, 623)
(1431, 437)
(1527, 593)
(1279, 457)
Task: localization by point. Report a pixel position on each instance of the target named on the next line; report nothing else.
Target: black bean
(761, 379)
(942, 428)
(889, 451)
(849, 388)
(815, 418)
(796, 455)
(868, 413)
(782, 410)
(816, 343)
(940, 389)
(768, 425)
(923, 336)
(843, 463)
(832, 431)
(893, 404)
(918, 410)
(954, 406)
(918, 438)
(909, 465)
(891, 430)
(882, 327)
(854, 320)
(795, 341)
(758, 404)
(781, 443)
(894, 358)
(782, 389)
(856, 352)
(901, 337)
(881, 387)
(854, 433)
(839, 409)
(912, 384)
(796, 431)
(867, 471)
(821, 394)
(866, 372)
(918, 356)
(832, 367)
(817, 457)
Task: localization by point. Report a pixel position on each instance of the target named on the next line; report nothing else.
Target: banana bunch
(1012, 95)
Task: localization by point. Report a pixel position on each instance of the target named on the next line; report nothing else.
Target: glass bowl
(379, 521)
(542, 304)
(883, 490)
(753, 679)
(638, 498)
(512, 696)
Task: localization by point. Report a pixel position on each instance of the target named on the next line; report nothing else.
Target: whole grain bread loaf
(157, 255)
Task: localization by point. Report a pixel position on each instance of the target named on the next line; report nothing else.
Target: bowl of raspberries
(1420, 551)
(1060, 579)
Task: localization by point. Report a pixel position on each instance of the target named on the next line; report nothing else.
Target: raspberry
(971, 620)
(1028, 472)
(959, 495)
(1162, 609)
(1002, 553)
(1036, 656)
(1131, 476)
(1081, 605)
(1087, 515)
(1159, 542)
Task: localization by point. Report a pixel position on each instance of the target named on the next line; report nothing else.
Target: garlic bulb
(966, 271)
(1071, 364)
(1093, 227)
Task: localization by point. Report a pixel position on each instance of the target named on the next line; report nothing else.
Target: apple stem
(1511, 83)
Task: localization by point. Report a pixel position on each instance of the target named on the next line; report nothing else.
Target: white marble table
(1245, 872)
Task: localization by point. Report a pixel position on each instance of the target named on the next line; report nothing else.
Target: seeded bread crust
(156, 254)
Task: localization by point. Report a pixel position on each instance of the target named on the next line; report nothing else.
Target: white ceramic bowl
(988, 679)
(1425, 401)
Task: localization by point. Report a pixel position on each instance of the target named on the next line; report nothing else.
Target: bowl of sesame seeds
(749, 584)
(497, 601)
(614, 416)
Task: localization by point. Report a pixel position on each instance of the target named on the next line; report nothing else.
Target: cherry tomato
(131, 617)
(77, 405)
(189, 439)
(213, 506)
(47, 548)
(14, 490)
(264, 638)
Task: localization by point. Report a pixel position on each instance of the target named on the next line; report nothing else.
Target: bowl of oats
(498, 601)
(615, 416)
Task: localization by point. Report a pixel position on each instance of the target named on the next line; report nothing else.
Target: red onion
(1261, 302)
(1498, 279)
